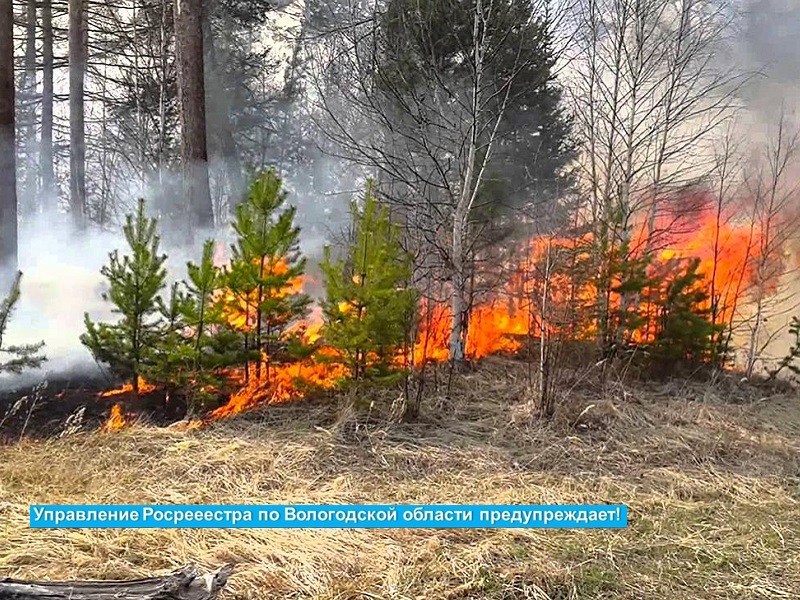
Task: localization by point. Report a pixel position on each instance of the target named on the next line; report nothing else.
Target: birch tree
(427, 94)
(649, 97)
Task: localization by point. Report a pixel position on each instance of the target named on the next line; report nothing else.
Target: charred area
(75, 402)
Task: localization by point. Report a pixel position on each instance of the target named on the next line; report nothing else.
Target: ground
(710, 472)
(76, 401)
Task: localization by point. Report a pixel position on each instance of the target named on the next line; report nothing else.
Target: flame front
(500, 321)
(127, 388)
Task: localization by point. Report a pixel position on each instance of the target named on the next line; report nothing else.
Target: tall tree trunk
(219, 128)
(191, 98)
(164, 38)
(29, 199)
(77, 134)
(49, 198)
(8, 167)
(458, 304)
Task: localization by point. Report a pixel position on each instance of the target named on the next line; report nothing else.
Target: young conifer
(197, 343)
(135, 283)
(369, 305)
(267, 268)
(685, 329)
(24, 356)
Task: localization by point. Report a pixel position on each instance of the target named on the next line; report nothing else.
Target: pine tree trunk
(191, 97)
(77, 133)
(49, 200)
(8, 168)
(219, 120)
(29, 199)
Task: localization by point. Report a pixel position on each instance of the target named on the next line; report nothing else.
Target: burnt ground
(72, 402)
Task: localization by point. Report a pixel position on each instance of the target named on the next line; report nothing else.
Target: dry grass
(712, 489)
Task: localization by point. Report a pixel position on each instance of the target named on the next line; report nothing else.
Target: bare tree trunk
(545, 400)
(141, 128)
(191, 94)
(8, 166)
(471, 179)
(220, 128)
(162, 91)
(48, 192)
(459, 281)
(77, 133)
(30, 192)
(724, 295)
(102, 208)
(774, 197)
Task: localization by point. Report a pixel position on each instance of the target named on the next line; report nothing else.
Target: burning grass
(712, 489)
(244, 331)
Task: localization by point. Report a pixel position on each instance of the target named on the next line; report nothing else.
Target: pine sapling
(266, 268)
(135, 283)
(25, 356)
(197, 343)
(685, 331)
(369, 305)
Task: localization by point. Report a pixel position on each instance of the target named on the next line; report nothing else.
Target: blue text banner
(307, 516)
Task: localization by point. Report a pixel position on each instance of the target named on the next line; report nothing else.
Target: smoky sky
(772, 38)
(769, 45)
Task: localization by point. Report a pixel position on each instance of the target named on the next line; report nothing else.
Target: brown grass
(712, 489)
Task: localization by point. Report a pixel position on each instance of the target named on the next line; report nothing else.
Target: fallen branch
(184, 584)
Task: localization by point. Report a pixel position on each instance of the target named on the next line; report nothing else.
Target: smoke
(770, 30)
(62, 281)
(769, 44)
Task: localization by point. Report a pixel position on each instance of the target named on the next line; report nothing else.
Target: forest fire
(143, 388)
(116, 420)
(547, 292)
(240, 307)
(278, 384)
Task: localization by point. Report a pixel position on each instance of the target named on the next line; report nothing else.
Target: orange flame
(116, 419)
(537, 299)
(241, 309)
(127, 388)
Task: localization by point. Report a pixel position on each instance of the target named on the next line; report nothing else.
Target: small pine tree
(135, 283)
(169, 359)
(685, 329)
(266, 267)
(629, 280)
(215, 344)
(196, 341)
(619, 280)
(369, 306)
(25, 356)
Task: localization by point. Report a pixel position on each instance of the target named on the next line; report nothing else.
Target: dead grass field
(711, 476)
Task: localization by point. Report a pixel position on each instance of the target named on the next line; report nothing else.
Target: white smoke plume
(62, 281)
